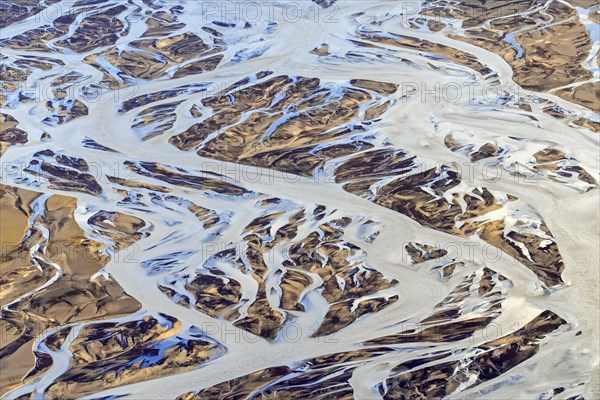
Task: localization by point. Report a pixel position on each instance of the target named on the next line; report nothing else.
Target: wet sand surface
(323, 199)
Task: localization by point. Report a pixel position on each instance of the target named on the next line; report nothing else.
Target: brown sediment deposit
(67, 260)
(544, 43)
